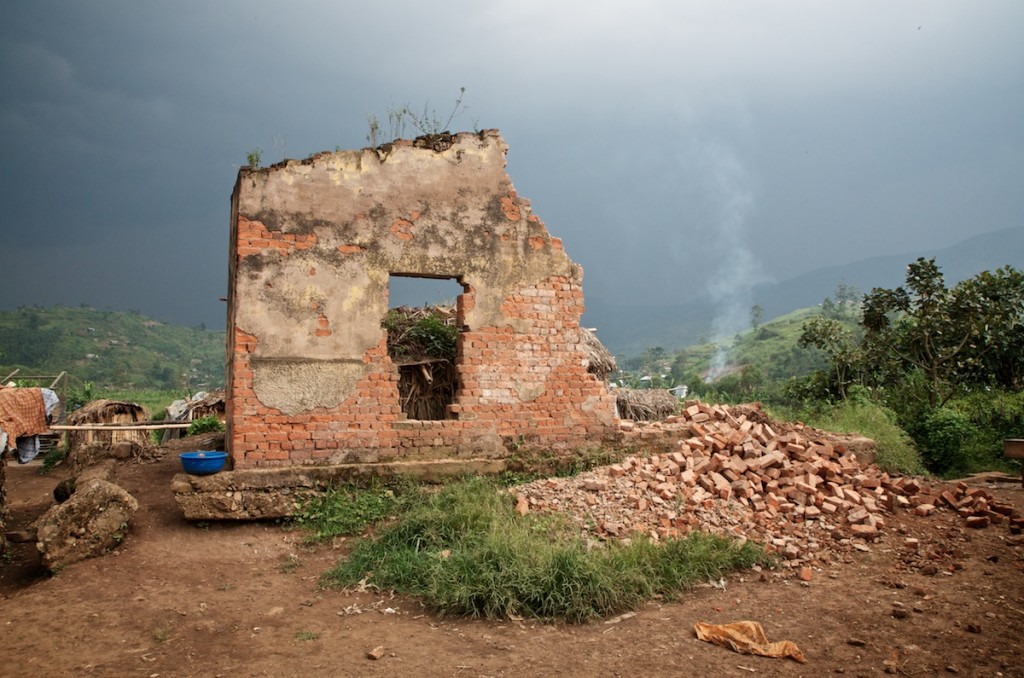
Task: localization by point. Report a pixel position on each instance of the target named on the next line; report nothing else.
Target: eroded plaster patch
(294, 386)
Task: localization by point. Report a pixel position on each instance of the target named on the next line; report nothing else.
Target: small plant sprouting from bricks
(254, 157)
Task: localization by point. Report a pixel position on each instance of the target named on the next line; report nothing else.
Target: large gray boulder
(91, 522)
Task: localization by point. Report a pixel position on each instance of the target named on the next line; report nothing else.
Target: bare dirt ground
(181, 599)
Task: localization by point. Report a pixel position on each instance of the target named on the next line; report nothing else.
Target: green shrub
(941, 435)
(210, 424)
(53, 457)
(994, 417)
(466, 551)
(79, 396)
(437, 338)
(413, 336)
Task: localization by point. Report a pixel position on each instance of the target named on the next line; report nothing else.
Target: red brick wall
(493, 363)
(311, 242)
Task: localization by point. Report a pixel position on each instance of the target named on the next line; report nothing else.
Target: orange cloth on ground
(22, 413)
(747, 637)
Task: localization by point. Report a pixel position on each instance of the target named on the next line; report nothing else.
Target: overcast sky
(678, 148)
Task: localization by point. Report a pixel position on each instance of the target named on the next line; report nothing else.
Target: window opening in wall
(423, 330)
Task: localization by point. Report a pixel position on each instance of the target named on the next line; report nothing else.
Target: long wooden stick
(115, 427)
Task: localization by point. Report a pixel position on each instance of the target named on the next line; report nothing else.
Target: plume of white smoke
(729, 188)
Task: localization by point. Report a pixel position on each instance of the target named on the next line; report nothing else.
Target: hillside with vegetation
(934, 372)
(110, 349)
(760, 359)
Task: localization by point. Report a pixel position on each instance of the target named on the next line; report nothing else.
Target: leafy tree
(998, 359)
(829, 309)
(653, 360)
(838, 343)
(756, 316)
(846, 299)
(956, 338)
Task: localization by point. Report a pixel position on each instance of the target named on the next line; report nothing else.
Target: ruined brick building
(314, 247)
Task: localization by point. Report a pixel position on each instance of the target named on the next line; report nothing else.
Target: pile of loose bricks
(799, 491)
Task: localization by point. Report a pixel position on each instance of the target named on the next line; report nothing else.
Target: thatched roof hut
(212, 404)
(648, 404)
(600, 361)
(202, 404)
(107, 412)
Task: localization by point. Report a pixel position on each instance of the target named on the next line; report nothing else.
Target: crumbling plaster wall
(313, 246)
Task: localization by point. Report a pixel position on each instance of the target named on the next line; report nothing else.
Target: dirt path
(179, 599)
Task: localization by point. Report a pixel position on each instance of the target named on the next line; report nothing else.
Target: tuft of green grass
(464, 550)
(289, 563)
(53, 457)
(350, 509)
(302, 634)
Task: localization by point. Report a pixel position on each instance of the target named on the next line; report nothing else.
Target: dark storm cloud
(854, 129)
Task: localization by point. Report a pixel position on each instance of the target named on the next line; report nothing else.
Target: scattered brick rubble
(798, 490)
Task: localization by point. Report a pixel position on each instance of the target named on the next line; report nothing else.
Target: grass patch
(349, 509)
(306, 635)
(465, 551)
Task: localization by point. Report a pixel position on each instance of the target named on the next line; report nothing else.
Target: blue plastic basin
(203, 463)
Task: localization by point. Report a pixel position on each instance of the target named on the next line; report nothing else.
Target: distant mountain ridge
(629, 329)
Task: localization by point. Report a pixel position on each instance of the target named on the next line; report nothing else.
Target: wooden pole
(115, 427)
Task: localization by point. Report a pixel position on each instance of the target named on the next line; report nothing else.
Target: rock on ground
(91, 522)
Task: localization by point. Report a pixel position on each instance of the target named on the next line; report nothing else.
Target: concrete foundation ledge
(261, 494)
